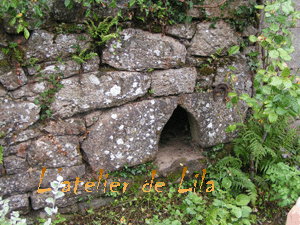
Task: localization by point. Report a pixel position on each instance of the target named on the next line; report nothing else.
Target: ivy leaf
(274, 54)
(233, 50)
(242, 200)
(273, 117)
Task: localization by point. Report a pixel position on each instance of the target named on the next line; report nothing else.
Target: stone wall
(112, 108)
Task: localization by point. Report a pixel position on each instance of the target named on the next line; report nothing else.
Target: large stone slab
(13, 79)
(208, 40)
(209, 119)
(54, 151)
(186, 31)
(29, 181)
(17, 115)
(96, 90)
(173, 81)
(128, 134)
(46, 46)
(140, 50)
(19, 203)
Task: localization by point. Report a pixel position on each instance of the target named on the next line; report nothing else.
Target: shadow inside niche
(176, 149)
(177, 127)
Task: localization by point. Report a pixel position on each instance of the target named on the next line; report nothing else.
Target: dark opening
(177, 127)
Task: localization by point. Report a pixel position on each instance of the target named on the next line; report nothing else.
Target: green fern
(102, 30)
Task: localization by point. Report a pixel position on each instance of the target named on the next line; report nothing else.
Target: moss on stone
(206, 71)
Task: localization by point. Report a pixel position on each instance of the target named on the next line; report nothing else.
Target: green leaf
(276, 81)
(287, 83)
(13, 21)
(242, 199)
(287, 8)
(37, 101)
(273, 117)
(246, 210)
(26, 33)
(281, 111)
(230, 128)
(234, 100)
(20, 28)
(232, 67)
(226, 183)
(274, 54)
(67, 3)
(237, 212)
(266, 89)
(233, 50)
(232, 94)
(253, 38)
(274, 27)
(131, 3)
(259, 6)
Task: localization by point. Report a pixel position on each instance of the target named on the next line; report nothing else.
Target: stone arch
(176, 147)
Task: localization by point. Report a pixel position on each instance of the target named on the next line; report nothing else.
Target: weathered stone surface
(211, 12)
(39, 200)
(173, 81)
(17, 115)
(209, 119)
(92, 118)
(29, 181)
(140, 50)
(128, 134)
(46, 46)
(94, 91)
(14, 164)
(63, 14)
(54, 151)
(208, 40)
(19, 203)
(3, 92)
(94, 204)
(295, 63)
(73, 126)
(13, 79)
(22, 136)
(186, 31)
(24, 92)
(91, 65)
(67, 69)
(108, 11)
(250, 30)
(19, 149)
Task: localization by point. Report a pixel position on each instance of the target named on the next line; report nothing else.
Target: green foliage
(243, 17)
(18, 10)
(285, 183)
(83, 56)
(228, 171)
(102, 31)
(48, 96)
